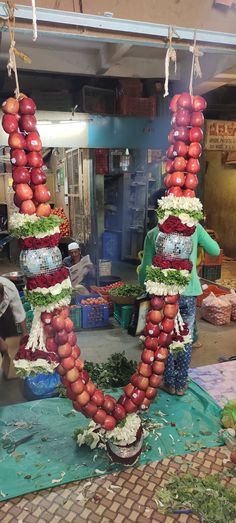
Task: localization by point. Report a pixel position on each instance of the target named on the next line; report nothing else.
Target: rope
(196, 68)
(34, 20)
(11, 66)
(170, 57)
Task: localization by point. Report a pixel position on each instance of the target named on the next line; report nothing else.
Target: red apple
(21, 175)
(90, 387)
(24, 192)
(72, 375)
(79, 364)
(169, 166)
(183, 117)
(108, 403)
(46, 317)
(10, 106)
(155, 316)
(61, 370)
(33, 142)
(28, 123)
(179, 163)
(134, 379)
(43, 209)
(9, 123)
(191, 181)
(185, 101)
(152, 330)
(178, 178)
(195, 150)
(142, 382)
(155, 380)
(146, 404)
(83, 398)
(100, 416)
(176, 191)
(68, 363)
(77, 406)
(72, 338)
(171, 298)
(75, 352)
(16, 140)
(193, 166)
(188, 193)
(173, 121)
(173, 103)
(171, 137)
(180, 149)
(77, 387)
(138, 396)
(158, 367)
(34, 159)
(48, 331)
(197, 119)
(151, 343)
(147, 357)
(157, 303)
(161, 354)
(69, 325)
(17, 201)
(128, 390)
(151, 392)
(129, 406)
(165, 339)
(18, 157)
(64, 350)
(51, 346)
(109, 423)
(38, 176)
(58, 323)
(70, 394)
(167, 181)
(65, 382)
(42, 194)
(119, 412)
(90, 409)
(98, 397)
(27, 207)
(196, 134)
(169, 152)
(27, 106)
(122, 399)
(167, 324)
(182, 134)
(84, 375)
(65, 312)
(144, 369)
(199, 103)
(170, 310)
(61, 337)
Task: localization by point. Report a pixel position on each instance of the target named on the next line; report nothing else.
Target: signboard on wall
(220, 135)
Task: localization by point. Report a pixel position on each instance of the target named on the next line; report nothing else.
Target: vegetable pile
(127, 290)
(65, 226)
(94, 301)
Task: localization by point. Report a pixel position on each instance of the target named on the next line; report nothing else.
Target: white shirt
(12, 298)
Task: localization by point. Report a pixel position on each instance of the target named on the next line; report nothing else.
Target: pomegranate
(197, 119)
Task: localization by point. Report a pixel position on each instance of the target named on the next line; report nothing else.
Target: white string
(11, 66)
(170, 57)
(34, 20)
(196, 68)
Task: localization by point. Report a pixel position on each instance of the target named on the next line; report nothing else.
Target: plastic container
(104, 268)
(75, 316)
(111, 246)
(93, 316)
(122, 314)
(211, 272)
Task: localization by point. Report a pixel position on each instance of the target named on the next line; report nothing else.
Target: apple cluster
(185, 148)
(29, 178)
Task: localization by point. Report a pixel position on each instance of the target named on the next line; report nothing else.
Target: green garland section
(44, 225)
(170, 277)
(40, 300)
(196, 215)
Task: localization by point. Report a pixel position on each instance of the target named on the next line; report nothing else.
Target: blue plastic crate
(95, 316)
(79, 297)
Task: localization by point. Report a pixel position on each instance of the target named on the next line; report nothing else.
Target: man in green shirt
(176, 372)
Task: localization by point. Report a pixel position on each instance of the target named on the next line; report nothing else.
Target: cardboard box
(8, 357)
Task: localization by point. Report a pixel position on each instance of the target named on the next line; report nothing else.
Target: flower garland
(168, 276)
(52, 296)
(39, 243)
(29, 226)
(166, 263)
(47, 280)
(24, 367)
(188, 210)
(173, 224)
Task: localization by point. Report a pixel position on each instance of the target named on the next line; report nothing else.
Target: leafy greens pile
(115, 372)
(127, 290)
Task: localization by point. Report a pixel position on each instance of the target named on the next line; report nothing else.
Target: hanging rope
(170, 57)
(196, 68)
(11, 66)
(34, 20)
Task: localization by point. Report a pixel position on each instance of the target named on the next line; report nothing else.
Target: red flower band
(166, 263)
(47, 280)
(39, 243)
(174, 224)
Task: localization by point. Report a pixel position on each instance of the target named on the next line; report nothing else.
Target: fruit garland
(52, 341)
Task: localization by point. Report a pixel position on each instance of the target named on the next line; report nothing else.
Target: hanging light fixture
(125, 160)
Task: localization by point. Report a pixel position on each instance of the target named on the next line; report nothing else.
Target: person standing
(176, 372)
(11, 312)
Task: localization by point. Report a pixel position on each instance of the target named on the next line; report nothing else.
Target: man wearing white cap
(74, 255)
(84, 271)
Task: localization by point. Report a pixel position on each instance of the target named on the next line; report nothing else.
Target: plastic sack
(228, 415)
(216, 310)
(231, 298)
(41, 386)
